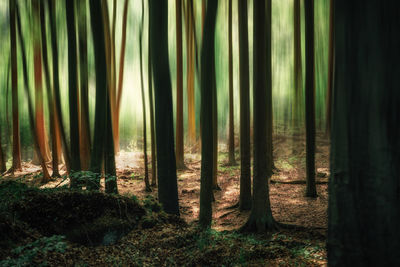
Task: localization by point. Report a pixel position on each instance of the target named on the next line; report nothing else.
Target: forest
(199, 133)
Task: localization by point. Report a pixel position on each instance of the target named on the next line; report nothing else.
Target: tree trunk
(56, 85)
(46, 176)
(298, 76)
(2, 158)
(152, 132)
(311, 190)
(190, 72)
(37, 62)
(207, 132)
(180, 164)
(231, 137)
(52, 118)
(16, 163)
(364, 187)
(121, 69)
(146, 165)
(330, 71)
(166, 161)
(245, 156)
(85, 142)
(261, 219)
(73, 90)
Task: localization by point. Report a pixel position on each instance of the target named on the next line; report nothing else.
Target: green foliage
(24, 255)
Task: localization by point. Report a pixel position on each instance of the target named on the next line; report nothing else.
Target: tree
(152, 132)
(2, 158)
(180, 164)
(56, 84)
(298, 78)
(16, 163)
(167, 179)
(37, 62)
(49, 90)
(146, 167)
(190, 28)
(231, 137)
(85, 142)
(103, 146)
(311, 190)
(330, 71)
(36, 144)
(261, 219)
(364, 207)
(207, 131)
(121, 69)
(245, 157)
(73, 89)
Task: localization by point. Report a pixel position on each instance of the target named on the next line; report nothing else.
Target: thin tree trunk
(46, 176)
(121, 70)
(146, 165)
(73, 90)
(311, 190)
(166, 161)
(16, 163)
(85, 142)
(298, 80)
(52, 118)
(2, 158)
(231, 138)
(190, 72)
(37, 61)
(152, 132)
(56, 85)
(245, 155)
(261, 219)
(207, 132)
(180, 164)
(113, 70)
(330, 71)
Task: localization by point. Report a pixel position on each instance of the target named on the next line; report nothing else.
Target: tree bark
(364, 187)
(166, 161)
(298, 75)
(16, 163)
(207, 131)
(190, 72)
(85, 140)
(73, 90)
(180, 164)
(330, 71)
(56, 85)
(245, 156)
(261, 219)
(311, 190)
(231, 137)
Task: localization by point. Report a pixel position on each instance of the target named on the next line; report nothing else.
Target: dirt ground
(287, 189)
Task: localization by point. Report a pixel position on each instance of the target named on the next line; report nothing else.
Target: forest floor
(176, 244)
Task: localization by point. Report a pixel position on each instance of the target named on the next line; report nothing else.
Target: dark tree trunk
(364, 188)
(73, 89)
(207, 131)
(16, 163)
(180, 164)
(166, 161)
(152, 131)
(146, 165)
(2, 158)
(330, 71)
(231, 137)
(261, 219)
(50, 103)
(56, 84)
(298, 75)
(85, 142)
(311, 190)
(245, 156)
